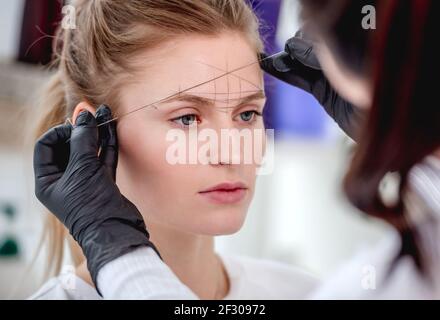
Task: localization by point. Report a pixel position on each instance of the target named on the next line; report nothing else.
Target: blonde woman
(129, 54)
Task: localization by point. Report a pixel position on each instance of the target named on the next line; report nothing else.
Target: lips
(225, 193)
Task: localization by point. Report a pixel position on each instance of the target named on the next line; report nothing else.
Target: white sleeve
(141, 274)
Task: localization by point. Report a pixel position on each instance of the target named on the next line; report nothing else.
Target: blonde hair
(108, 33)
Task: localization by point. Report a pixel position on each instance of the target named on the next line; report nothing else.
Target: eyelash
(255, 113)
(181, 117)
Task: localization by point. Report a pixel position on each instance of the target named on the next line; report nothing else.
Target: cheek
(143, 150)
(141, 145)
(142, 164)
(352, 87)
(259, 144)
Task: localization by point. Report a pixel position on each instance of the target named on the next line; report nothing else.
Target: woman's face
(175, 195)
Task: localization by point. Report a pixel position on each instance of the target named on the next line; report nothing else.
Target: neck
(193, 259)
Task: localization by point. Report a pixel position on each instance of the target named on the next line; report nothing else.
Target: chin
(221, 223)
(229, 230)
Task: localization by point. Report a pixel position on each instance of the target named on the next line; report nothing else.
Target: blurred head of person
(388, 66)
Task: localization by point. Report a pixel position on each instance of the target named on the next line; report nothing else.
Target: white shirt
(249, 278)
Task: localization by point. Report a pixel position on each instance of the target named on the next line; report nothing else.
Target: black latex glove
(79, 188)
(299, 66)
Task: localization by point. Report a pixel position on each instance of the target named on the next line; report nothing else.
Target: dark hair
(340, 21)
(403, 126)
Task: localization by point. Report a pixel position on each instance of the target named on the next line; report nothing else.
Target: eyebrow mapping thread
(233, 74)
(186, 90)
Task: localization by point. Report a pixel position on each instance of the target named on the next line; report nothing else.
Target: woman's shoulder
(255, 278)
(66, 286)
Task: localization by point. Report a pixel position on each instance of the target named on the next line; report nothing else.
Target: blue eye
(186, 120)
(250, 115)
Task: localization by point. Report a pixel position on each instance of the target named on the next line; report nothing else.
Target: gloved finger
(103, 115)
(108, 140)
(51, 152)
(84, 138)
(303, 51)
(278, 66)
(282, 62)
(297, 74)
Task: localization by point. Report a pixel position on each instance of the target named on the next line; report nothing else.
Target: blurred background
(299, 214)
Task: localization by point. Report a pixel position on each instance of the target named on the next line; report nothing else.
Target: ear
(81, 107)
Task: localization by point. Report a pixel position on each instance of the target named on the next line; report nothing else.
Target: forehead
(192, 60)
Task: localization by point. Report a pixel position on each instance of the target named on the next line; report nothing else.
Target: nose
(229, 151)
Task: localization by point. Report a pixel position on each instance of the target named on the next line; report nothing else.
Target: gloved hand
(79, 188)
(299, 66)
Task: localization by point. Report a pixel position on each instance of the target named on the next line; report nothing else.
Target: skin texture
(181, 222)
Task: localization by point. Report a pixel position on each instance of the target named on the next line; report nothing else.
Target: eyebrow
(202, 101)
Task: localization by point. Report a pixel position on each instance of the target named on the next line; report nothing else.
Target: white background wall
(10, 22)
